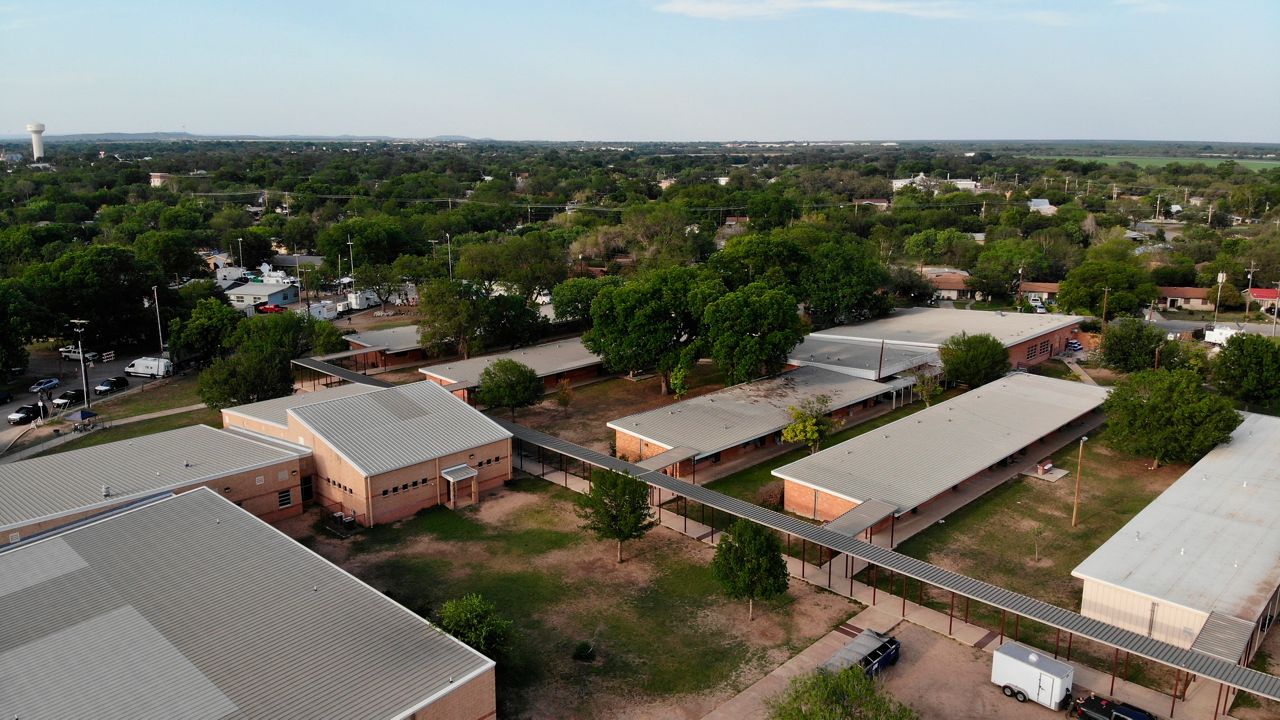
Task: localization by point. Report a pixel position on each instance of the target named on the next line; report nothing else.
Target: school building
(553, 362)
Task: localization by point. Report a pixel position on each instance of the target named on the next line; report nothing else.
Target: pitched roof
(394, 339)
(720, 420)
(1263, 293)
(930, 327)
(190, 607)
(69, 482)
(546, 359)
(276, 410)
(1190, 293)
(399, 426)
(911, 460)
(949, 281)
(1045, 287)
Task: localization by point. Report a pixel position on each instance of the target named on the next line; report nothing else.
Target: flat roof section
(871, 360)
(45, 488)
(394, 339)
(910, 461)
(547, 359)
(399, 426)
(276, 410)
(930, 327)
(1211, 541)
(191, 607)
(721, 420)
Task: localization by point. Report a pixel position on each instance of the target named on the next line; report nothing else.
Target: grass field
(665, 637)
(1146, 161)
(178, 392)
(144, 427)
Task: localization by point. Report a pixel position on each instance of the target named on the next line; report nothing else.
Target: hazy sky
(649, 69)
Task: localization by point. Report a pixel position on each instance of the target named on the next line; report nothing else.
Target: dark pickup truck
(1099, 708)
(870, 651)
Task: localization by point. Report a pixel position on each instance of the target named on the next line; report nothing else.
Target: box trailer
(323, 310)
(1024, 673)
(870, 650)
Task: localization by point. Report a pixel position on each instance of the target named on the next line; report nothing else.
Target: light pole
(84, 375)
(303, 270)
(351, 246)
(1075, 506)
(449, 241)
(155, 296)
(1276, 308)
(1222, 278)
(1106, 295)
(240, 257)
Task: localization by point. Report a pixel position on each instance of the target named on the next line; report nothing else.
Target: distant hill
(125, 137)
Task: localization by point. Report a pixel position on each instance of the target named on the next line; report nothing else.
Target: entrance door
(1044, 693)
(308, 492)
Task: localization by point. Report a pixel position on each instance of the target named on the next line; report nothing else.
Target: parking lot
(48, 364)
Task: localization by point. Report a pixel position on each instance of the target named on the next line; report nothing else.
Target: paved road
(1189, 325)
(45, 364)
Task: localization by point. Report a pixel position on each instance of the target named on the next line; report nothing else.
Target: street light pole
(351, 246)
(1106, 295)
(155, 296)
(449, 241)
(84, 375)
(1075, 506)
(240, 257)
(1222, 278)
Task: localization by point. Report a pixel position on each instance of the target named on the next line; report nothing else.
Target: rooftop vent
(106, 491)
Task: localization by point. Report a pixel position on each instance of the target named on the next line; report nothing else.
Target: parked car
(149, 367)
(71, 352)
(271, 308)
(68, 398)
(5, 397)
(110, 385)
(1097, 708)
(23, 415)
(45, 385)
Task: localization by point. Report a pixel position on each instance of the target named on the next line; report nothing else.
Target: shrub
(584, 652)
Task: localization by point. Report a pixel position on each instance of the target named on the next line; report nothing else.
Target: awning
(668, 458)
(349, 353)
(458, 473)
(861, 517)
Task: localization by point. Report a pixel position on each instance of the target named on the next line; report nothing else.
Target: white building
(251, 294)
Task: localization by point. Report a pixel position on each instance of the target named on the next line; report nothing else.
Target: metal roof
(192, 608)
(547, 359)
(930, 327)
(1211, 541)
(1224, 636)
(341, 373)
(56, 485)
(861, 517)
(394, 339)
(276, 410)
(668, 458)
(1196, 662)
(739, 414)
(911, 460)
(860, 358)
(399, 426)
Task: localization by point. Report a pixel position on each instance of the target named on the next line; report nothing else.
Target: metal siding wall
(1173, 624)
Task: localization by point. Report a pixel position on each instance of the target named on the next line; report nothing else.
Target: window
(396, 489)
(415, 483)
(384, 492)
(284, 498)
(405, 487)
(1044, 347)
(1032, 351)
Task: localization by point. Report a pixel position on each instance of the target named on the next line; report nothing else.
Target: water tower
(37, 140)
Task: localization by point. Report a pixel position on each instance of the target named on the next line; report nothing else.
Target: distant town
(462, 429)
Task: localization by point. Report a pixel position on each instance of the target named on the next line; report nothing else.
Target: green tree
(506, 383)
(927, 382)
(845, 695)
(260, 368)
(749, 564)
(104, 284)
(973, 360)
(616, 508)
(845, 283)
(1248, 368)
(1084, 288)
(572, 298)
(810, 423)
(750, 331)
(173, 251)
(1130, 345)
(1169, 415)
(207, 333)
(15, 330)
(451, 313)
(381, 279)
(476, 622)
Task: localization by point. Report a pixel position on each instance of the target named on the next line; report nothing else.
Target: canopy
(79, 415)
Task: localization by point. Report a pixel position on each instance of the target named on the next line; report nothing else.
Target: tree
(15, 330)
(572, 298)
(1248, 368)
(750, 331)
(616, 508)
(1130, 345)
(564, 394)
(207, 332)
(381, 279)
(810, 422)
(845, 695)
(749, 564)
(973, 360)
(173, 251)
(928, 383)
(476, 622)
(506, 383)
(450, 312)
(260, 368)
(844, 284)
(1167, 414)
(1084, 288)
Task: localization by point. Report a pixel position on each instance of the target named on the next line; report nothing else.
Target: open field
(1019, 536)
(145, 427)
(1159, 160)
(667, 642)
(164, 395)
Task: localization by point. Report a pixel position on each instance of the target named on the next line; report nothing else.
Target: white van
(149, 367)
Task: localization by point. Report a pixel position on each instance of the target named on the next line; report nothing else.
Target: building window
(396, 489)
(1044, 347)
(285, 498)
(405, 487)
(1032, 351)
(384, 492)
(415, 483)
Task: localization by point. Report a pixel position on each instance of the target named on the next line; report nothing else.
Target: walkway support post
(951, 614)
(1115, 660)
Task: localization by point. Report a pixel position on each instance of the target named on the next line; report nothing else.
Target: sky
(638, 70)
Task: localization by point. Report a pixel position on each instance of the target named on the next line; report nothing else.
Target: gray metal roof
(1224, 636)
(399, 426)
(1197, 663)
(720, 420)
(1211, 541)
(192, 608)
(276, 410)
(341, 373)
(861, 517)
(667, 459)
(860, 358)
(930, 327)
(56, 485)
(911, 460)
(547, 359)
(394, 339)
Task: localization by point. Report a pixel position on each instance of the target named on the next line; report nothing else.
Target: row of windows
(405, 487)
(339, 485)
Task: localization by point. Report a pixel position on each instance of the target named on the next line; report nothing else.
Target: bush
(770, 496)
(1091, 325)
(584, 652)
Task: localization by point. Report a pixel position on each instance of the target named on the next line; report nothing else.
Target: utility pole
(449, 246)
(84, 375)
(155, 297)
(1157, 215)
(1115, 192)
(240, 257)
(302, 271)
(1222, 278)
(1210, 215)
(1248, 294)
(352, 248)
(1075, 506)
(1106, 295)
(1277, 311)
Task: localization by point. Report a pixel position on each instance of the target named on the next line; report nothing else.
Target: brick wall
(474, 700)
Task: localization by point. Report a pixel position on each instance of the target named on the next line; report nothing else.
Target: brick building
(553, 362)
